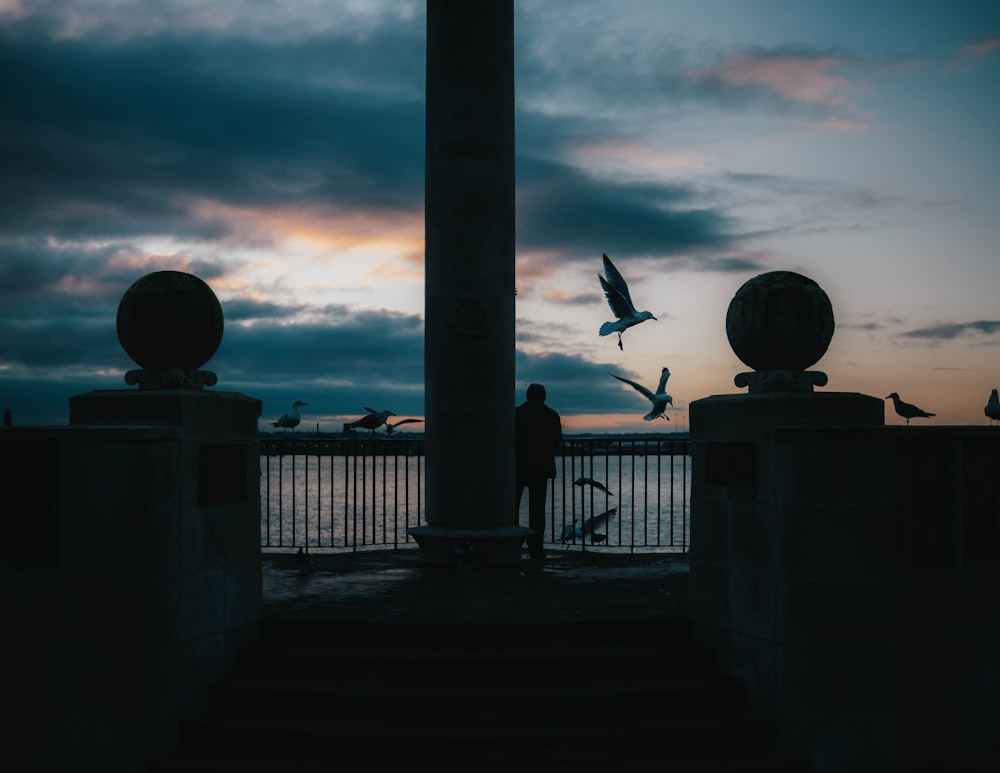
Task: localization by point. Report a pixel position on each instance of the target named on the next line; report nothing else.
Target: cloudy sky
(274, 148)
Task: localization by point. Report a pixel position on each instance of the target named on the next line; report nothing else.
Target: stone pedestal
(133, 576)
(839, 569)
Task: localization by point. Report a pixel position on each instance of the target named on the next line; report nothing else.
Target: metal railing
(334, 493)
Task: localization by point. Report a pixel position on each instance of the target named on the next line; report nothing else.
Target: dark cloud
(345, 345)
(122, 139)
(946, 331)
(563, 208)
(577, 385)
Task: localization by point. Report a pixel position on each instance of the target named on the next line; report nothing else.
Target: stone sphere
(170, 319)
(780, 320)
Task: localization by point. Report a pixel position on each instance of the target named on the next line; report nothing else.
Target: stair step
(664, 698)
(354, 696)
(196, 763)
(475, 742)
(472, 636)
(593, 663)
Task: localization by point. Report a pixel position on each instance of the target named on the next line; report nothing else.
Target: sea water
(344, 501)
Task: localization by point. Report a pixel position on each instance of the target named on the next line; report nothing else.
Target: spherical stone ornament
(780, 320)
(170, 320)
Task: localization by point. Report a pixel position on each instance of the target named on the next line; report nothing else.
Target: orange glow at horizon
(324, 227)
(622, 422)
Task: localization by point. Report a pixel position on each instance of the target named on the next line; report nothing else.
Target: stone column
(469, 286)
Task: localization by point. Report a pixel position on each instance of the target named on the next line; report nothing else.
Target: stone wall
(130, 571)
(847, 573)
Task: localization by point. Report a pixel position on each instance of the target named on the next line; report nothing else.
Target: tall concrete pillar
(469, 286)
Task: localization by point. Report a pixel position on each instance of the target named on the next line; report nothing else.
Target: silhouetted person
(537, 438)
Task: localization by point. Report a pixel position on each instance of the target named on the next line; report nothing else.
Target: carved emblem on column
(468, 316)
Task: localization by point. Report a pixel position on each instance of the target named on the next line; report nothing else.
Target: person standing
(537, 439)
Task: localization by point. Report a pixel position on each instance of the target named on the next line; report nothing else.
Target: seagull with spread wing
(659, 399)
(591, 482)
(571, 531)
(391, 427)
(371, 422)
(616, 291)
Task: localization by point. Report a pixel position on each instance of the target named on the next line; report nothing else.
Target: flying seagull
(660, 399)
(616, 291)
(907, 410)
(571, 531)
(993, 407)
(591, 482)
(291, 419)
(371, 422)
(390, 428)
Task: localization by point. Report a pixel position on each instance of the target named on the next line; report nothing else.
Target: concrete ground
(398, 586)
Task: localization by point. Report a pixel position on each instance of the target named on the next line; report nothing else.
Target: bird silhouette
(907, 410)
(571, 531)
(291, 419)
(659, 399)
(616, 291)
(302, 560)
(390, 428)
(992, 409)
(591, 482)
(371, 422)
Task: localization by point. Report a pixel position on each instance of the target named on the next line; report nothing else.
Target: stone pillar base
(470, 549)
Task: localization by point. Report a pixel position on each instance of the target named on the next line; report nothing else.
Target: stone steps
(362, 695)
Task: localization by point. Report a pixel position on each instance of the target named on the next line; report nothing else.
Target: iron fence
(334, 493)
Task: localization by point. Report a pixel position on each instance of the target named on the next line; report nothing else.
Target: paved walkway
(397, 586)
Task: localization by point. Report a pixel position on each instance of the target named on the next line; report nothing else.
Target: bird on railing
(907, 410)
(659, 399)
(391, 427)
(591, 482)
(571, 531)
(616, 291)
(302, 560)
(992, 409)
(291, 419)
(371, 422)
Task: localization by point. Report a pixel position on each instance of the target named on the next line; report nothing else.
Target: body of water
(347, 501)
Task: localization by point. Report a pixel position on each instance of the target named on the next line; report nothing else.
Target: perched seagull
(591, 482)
(616, 291)
(660, 399)
(993, 407)
(302, 561)
(906, 410)
(572, 531)
(371, 422)
(290, 419)
(390, 428)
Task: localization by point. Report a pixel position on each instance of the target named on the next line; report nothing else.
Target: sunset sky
(276, 148)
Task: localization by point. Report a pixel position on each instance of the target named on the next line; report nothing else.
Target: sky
(275, 149)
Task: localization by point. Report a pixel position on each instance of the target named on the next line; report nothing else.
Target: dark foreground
(397, 586)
